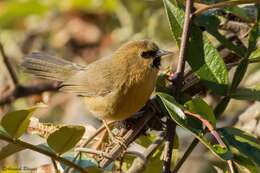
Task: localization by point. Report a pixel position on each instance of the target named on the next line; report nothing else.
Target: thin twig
(8, 66)
(183, 48)
(185, 155)
(223, 5)
(178, 81)
(93, 151)
(55, 165)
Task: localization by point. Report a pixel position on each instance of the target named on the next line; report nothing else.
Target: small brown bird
(114, 87)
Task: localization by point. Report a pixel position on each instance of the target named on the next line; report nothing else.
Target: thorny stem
(171, 126)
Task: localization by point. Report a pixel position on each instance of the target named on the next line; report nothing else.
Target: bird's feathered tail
(50, 67)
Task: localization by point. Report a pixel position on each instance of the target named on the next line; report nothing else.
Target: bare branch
(26, 91)
(9, 66)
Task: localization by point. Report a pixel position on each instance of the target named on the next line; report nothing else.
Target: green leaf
(175, 17)
(65, 138)
(206, 62)
(166, 102)
(247, 163)
(251, 94)
(211, 24)
(255, 56)
(243, 142)
(200, 107)
(175, 107)
(202, 55)
(9, 149)
(16, 123)
(223, 151)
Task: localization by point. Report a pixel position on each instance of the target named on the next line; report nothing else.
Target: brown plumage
(114, 87)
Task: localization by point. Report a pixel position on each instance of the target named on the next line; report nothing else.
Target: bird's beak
(161, 53)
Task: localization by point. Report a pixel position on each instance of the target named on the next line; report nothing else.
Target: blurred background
(83, 31)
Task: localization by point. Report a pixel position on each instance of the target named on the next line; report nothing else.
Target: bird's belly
(123, 103)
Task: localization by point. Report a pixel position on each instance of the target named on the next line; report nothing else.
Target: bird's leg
(119, 140)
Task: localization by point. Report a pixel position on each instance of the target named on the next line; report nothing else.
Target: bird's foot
(119, 140)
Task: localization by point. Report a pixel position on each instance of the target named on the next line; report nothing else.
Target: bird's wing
(98, 79)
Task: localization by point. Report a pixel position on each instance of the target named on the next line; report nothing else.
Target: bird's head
(143, 51)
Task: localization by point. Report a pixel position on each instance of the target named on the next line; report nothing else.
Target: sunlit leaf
(16, 123)
(65, 138)
(175, 107)
(255, 56)
(206, 62)
(166, 102)
(175, 17)
(200, 107)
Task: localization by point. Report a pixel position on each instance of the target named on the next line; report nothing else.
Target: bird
(114, 87)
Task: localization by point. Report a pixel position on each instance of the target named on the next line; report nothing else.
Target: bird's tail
(49, 67)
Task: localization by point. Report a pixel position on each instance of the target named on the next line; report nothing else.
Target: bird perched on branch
(114, 88)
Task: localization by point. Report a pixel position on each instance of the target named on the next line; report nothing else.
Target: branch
(139, 164)
(223, 5)
(26, 91)
(8, 66)
(131, 134)
(170, 125)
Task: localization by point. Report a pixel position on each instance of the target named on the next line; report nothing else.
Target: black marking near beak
(157, 58)
(160, 53)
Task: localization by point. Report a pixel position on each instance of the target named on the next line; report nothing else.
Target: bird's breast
(127, 99)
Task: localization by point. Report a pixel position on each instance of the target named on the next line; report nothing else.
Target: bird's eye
(149, 54)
